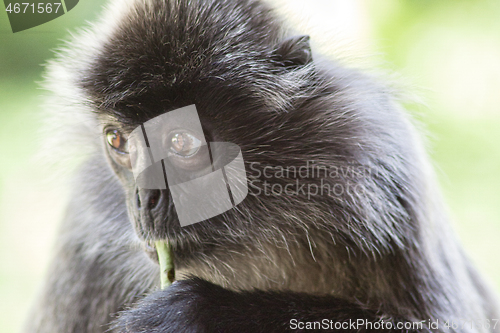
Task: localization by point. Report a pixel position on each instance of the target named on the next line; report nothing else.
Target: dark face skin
(152, 210)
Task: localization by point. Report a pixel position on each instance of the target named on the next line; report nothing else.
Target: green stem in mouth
(166, 260)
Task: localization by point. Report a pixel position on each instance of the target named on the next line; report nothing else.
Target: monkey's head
(259, 89)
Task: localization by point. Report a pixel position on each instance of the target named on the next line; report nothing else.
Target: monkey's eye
(184, 144)
(117, 141)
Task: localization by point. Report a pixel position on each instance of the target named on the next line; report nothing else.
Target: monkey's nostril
(154, 199)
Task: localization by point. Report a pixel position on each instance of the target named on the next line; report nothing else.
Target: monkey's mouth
(150, 250)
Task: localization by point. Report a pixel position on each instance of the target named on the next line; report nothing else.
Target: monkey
(375, 247)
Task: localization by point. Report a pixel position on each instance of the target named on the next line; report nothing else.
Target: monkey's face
(180, 149)
(151, 206)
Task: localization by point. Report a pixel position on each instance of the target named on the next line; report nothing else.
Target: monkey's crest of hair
(202, 44)
(256, 86)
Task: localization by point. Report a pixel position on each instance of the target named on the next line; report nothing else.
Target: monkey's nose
(152, 209)
(153, 199)
(150, 199)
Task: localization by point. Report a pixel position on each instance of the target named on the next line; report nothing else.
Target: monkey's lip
(150, 250)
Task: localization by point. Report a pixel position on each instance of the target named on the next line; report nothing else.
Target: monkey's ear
(294, 51)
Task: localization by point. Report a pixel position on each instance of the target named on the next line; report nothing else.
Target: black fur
(206, 307)
(385, 253)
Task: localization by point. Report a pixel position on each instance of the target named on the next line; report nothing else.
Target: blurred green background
(445, 52)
